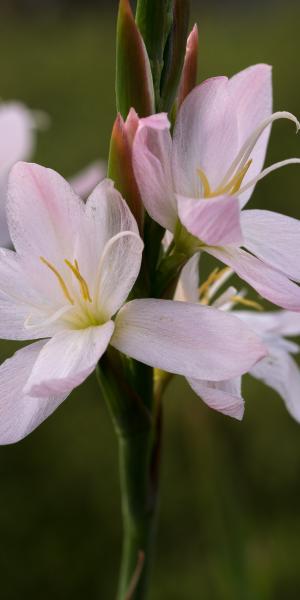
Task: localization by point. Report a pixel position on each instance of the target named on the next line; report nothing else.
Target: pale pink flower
(74, 266)
(200, 180)
(278, 369)
(17, 142)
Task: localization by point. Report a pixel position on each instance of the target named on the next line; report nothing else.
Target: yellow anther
(214, 276)
(83, 284)
(239, 178)
(246, 302)
(60, 279)
(206, 285)
(232, 187)
(206, 187)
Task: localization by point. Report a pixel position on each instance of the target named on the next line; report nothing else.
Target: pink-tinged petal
(280, 372)
(274, 238)
(119, 267)
(187, 339)
(152, 167)
(67, 360)
(215, 221)
(188, 285)
(205, 137)
(17, 138)
(20, 413)
(224, 396)
(268, 282)
(273, 323)
(17, 299)
(252, 95)
(106, 215)
(86, 180)
(5, 241)
(43, 212)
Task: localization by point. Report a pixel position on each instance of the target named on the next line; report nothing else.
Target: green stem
(127, 387)
(139, 509)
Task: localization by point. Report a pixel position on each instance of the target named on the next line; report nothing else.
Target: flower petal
(187, 339)
(16, 133)
(274, 238)
(86, 180)
(108, 212)
(118, 270)
(251, 91)
(205, 137)
(106, 215)
(188, 285)
(268, 282)
(43, 212)
(224, 396)
(274, 323)
(5, 241)
(20, 413)
(152, 167)
(67, 360)
(215, 221)
(280, 372)
(17, 299)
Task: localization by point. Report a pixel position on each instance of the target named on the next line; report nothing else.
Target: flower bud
(134, 85)
(174, 55)
(189, 73)
(120, 163)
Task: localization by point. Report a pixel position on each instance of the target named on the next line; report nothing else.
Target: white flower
(278, 369)
(72, 271)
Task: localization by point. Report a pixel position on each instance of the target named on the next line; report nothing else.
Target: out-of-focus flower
(74, 266)
(18, 127)
(278, 369)
(17, 142)
(197, 183)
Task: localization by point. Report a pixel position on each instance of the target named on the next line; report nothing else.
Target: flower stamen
(82, 282)
(232, 187)
(246, 302)
(60, 279)
(204, 289)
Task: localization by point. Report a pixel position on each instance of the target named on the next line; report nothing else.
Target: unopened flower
(278, 369)
(197, 182)
(65, 286)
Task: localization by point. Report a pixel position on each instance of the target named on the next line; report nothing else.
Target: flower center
(231, 187)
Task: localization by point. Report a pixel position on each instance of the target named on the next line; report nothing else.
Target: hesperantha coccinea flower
(278, 369)
(65, 285)
(196, 182)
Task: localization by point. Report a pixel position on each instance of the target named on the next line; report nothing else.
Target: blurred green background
(230, 510)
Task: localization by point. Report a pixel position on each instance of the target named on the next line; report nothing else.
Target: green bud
(154, 19)
(134, 84)
(174, 55)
